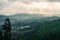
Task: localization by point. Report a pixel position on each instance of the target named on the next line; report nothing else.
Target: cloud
(53, 0)
(4, 3)
(32, 7)
(39, 0)
(46, 8)
(16, 7)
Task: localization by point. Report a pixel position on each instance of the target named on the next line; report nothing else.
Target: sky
(45, 7)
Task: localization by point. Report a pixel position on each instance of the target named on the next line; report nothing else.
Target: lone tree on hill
(7, 30)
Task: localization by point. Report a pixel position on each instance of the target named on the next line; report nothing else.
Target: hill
(34, 27)
(48, 31)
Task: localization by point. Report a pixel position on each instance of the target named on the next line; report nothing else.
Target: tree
(7, 30)
(0, 35)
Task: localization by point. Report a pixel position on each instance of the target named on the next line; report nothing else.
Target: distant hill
(47, 28)
(27, 19)
(44, 28)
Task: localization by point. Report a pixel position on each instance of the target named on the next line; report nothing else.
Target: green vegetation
(50, 31)
(44, 28)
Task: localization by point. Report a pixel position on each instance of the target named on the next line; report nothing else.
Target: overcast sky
(45, 7)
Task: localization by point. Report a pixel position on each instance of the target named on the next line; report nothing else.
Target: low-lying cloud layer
(45, 7)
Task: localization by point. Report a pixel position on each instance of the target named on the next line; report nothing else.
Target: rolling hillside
(38, 27)
(49, 31)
